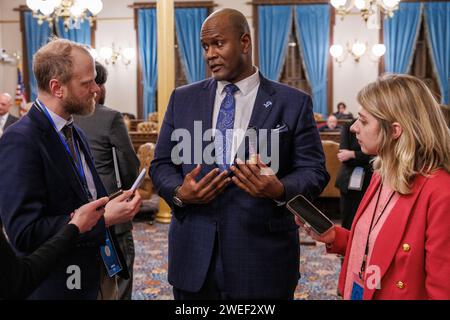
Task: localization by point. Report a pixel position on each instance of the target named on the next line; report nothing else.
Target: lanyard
(79, 167)
(372, 226)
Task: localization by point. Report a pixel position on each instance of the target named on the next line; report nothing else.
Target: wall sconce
(356, 50)
(111, 55)
(10, 59)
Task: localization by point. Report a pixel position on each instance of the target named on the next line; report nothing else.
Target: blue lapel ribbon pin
(267, 104)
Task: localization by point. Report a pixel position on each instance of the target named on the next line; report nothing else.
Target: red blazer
(413, 246)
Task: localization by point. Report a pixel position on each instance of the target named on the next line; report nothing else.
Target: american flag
(21, 99)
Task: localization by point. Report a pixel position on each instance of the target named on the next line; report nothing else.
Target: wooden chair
(145, 155)
(331, 149)
(147, 127)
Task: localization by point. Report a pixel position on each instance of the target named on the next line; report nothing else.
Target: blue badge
(109, 256)
(357, 292)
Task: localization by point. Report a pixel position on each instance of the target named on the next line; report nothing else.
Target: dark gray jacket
(106, 129)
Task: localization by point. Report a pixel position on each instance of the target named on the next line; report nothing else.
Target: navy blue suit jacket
(39, 189)
(258, 240)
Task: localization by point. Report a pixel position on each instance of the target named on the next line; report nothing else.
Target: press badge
(357, 288)
(356, 179)
(109, 256)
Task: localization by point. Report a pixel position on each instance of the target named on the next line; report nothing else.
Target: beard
(77, 106)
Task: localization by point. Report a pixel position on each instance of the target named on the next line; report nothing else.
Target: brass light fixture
(71, 11)
(366, 7)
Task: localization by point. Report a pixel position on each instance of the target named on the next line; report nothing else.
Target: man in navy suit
(6, 119)
(231, 237)
(48, 172)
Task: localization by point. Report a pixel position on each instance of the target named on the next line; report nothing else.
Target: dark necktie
(225, 122)
(68, 133)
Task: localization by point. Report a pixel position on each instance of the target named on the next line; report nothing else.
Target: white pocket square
(280, 128)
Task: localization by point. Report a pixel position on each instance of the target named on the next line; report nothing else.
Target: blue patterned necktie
(225, 121)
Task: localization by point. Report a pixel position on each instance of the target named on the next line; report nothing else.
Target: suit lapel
(391, 234)
(57, 153)
(8, 122)
(264, 103)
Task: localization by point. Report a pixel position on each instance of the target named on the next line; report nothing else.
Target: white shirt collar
(4, 118)
(245, 85)
(60, 122)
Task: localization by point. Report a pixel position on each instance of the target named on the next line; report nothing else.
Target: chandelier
(71, 11)
(357, 50)
(367, 8)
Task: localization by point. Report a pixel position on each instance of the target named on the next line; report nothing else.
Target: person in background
(6, 119)
(21, 276)
(398, 247)
(331, 126)
(354, 175)
(105, 129)
(342, 113)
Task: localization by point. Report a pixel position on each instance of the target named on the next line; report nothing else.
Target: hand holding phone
(137, 182)
(312, 217)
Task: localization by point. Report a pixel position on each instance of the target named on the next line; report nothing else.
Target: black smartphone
(112, 196)
(115, 194)
(309, 214)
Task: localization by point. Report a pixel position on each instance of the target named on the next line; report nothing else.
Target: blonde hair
(446, 111)
(424, 144)
(55, 61)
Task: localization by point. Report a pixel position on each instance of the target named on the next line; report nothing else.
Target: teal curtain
(148, 57)
(313, 32)
(35, 36)
(437, 16)
(81, 32)
(400, 35)
(274, 26)
(188, 22)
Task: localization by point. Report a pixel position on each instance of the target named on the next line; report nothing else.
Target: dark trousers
(213, 287)
(126, 244)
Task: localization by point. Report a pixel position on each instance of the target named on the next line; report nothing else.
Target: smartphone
(138, 180)
(309, 214)
(115, 194)
(112, 196)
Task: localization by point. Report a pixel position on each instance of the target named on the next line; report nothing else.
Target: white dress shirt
(3, 120)
(60, 123)
(244, 101)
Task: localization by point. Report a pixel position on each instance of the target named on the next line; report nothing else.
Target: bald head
(332, 121)
(6, 102)
(227, 45)
(231, 18)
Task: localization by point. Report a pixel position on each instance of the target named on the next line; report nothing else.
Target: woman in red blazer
(399, 243)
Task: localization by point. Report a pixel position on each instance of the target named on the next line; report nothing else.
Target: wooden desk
(139, 138)
(333, 136)
(320, 123)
